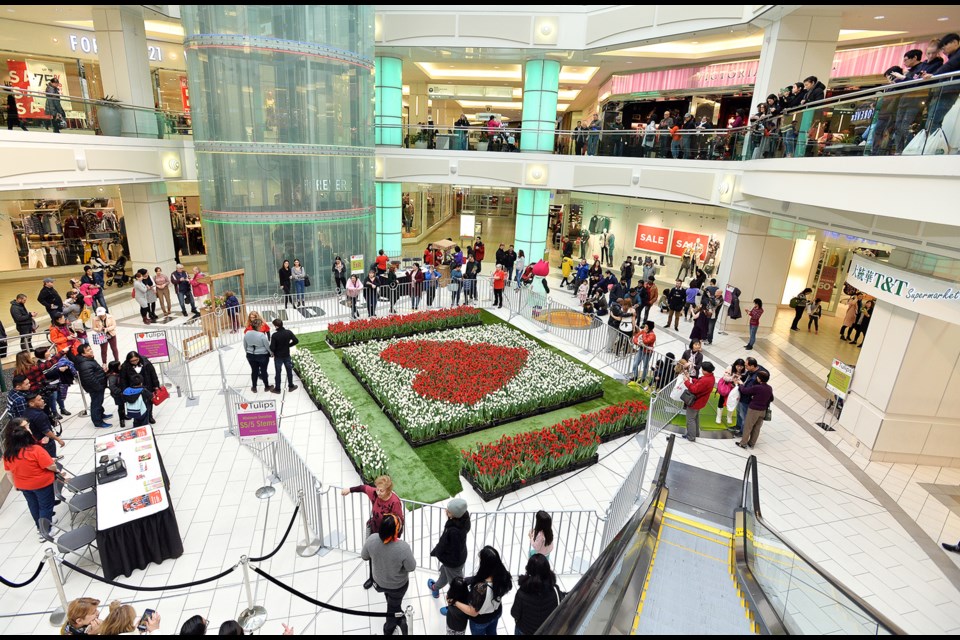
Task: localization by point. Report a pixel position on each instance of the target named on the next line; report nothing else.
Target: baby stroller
(116, 272)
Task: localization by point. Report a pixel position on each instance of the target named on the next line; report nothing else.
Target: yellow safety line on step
(694, 533)
(694, 551)
(646, 579)
(697, 525)
(754, 628)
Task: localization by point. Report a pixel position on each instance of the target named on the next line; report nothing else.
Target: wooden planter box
(516, 486)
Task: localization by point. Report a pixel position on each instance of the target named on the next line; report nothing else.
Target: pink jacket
(88, 290)
(199, 288)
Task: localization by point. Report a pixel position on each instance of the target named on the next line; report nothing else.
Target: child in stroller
(526, 278)
(116, 271)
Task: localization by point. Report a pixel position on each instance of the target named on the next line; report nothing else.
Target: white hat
(101, 311)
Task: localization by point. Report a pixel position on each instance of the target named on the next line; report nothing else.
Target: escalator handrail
(751, 502)
(569, 615)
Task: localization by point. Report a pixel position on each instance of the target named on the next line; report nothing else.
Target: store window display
(186, 226)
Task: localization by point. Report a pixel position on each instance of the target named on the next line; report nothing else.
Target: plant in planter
(108, 116)
(483, 142)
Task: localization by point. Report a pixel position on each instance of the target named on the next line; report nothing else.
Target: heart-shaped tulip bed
(466, 379)
(490, 367)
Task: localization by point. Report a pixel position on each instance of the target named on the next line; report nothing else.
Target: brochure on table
(141, 493)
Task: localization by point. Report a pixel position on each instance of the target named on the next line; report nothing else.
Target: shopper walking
(339, 274)
(863, 322)
(280, 345)
(391, 561)
(761, 397)
(416, 286)
(105, 325)
(499, 283)
(181, 280)
(53, 108)
(451, 548)
(537, 596)
(31, 469)
(370, 286)
(701, 388)
(284, 274)
(13, 115)
(488, 587)
(256, 344)
(354, 287)
(383, 502)
(798, 303)
(93, 380)
(24, 320)
(162, 284)
(754, 314)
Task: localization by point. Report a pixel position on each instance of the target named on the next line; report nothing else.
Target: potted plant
(108, 116)
(419, 140)
(483, 142)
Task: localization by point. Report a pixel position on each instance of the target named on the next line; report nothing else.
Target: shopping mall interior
(536, 276)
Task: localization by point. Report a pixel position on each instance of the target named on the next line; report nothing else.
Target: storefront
(433, 212)
(836, 253)
(45, 229)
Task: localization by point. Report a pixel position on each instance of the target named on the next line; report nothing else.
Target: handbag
(160, 395)
(688, 398)
(306, 281)
(97, 338)
(768, 415)
(85, 315)
(626, 325)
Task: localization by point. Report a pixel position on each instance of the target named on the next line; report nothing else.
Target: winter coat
(140, 293)
(702, 387)
(451, 549)
(21, 317)
(148, 373)
(676, 298)
(50, 299)
(815, 94)
(734, 312)
(850, 317)
(91, 374)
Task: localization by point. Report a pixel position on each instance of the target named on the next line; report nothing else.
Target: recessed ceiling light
(942, 19)
(879, 17)
(695, 42)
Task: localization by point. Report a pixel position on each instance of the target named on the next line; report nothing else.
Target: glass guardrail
(55, 113)
(807, 599)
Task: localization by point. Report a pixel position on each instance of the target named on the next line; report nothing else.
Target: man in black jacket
(676, 299)
(94, 381)
(509, 259)
(50, 299)
(280, 344)
(815, 90)
(627, 270)
(451, 549)
(24, 320)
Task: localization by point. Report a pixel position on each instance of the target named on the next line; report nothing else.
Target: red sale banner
(19, 79)
(683, 239)
(828, 280)
(652, 238)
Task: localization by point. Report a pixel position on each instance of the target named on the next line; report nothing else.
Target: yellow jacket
(566, 266)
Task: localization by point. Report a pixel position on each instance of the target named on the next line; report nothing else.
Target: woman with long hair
(122, 620)
(487, 589)
(537, 595)
(299, 277)
(541, 536)
(284, 275)
(30, 469)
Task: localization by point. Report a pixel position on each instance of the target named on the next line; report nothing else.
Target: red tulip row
(344, 333)
(527, 455)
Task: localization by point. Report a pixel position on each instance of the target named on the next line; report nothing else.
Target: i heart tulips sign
(152, 345)
(479, 368)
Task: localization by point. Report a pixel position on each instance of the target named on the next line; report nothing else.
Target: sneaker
(292, 387)
(107, 415)
(104, 425)
(434, 592)
(65, 412)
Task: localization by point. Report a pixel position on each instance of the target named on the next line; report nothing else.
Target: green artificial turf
(431, 473)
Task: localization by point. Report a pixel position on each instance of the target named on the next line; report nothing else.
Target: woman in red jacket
(701, 388)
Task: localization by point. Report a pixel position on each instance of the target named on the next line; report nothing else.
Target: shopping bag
(678, 388)
(160, 395)
(951, 126)
(733, 399)
(915, 147)
(936, 144)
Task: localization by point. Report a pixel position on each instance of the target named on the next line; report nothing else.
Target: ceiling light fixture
(879, 17)
(942, 19)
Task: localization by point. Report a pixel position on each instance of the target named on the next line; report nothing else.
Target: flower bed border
(516, 486)
(416, 333)
(468, 431)
(625, 432)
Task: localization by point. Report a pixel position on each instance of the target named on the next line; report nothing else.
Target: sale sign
(356, 265)
(152, 345)
(257, 421)
(652, 238)
(828, 280)
(683, 239)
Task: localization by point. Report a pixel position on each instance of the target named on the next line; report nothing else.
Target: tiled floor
(808, 493)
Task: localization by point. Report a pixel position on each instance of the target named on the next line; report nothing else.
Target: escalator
(697, 558)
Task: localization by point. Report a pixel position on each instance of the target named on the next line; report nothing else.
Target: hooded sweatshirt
(451, 549)
(134, 404)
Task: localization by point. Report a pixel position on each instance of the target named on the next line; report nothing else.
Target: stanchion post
(86, 408)
(59, 615)
(254, 616)
(309, 546)
(408, 615)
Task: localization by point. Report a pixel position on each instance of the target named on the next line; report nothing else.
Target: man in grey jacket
(391, 560)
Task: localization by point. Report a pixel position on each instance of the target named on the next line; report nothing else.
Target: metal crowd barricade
(178, 369)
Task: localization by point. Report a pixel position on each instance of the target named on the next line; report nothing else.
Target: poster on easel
(840, 378)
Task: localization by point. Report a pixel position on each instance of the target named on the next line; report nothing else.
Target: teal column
(541, 83)
(389, 218)
(282, 101)
(388, 108)
(533, 213)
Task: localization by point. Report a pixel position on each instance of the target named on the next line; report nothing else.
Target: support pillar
(903, 406)
(389, 219)
(794, 48)
(124, 67)
(756, 263)
(541, 84)
(388, 112)
(147, 220)
(533, 212)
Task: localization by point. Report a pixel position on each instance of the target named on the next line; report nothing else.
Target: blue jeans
(742, 408)
(186, 297)
(468, 287)
(488, 629)
(96, 407)
(753, 334)
(40, 503)
(643, 357)
(299, 289)
(675, 148)
(280, 364)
